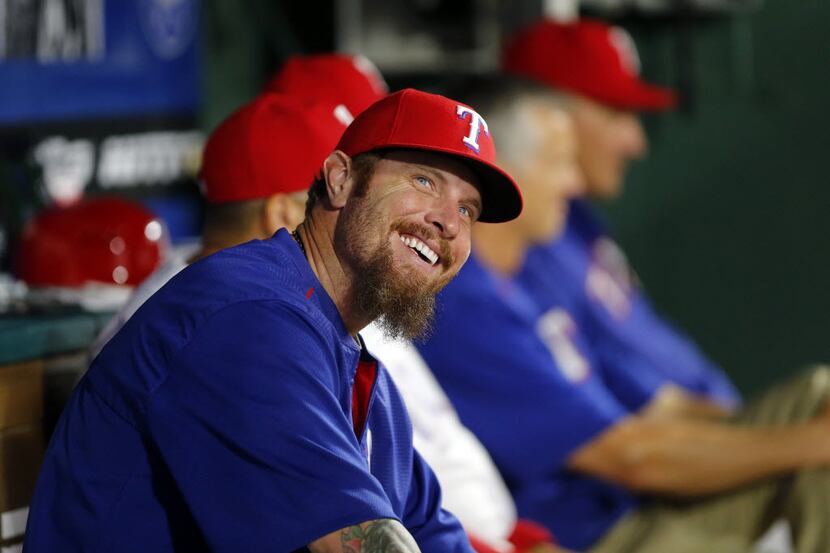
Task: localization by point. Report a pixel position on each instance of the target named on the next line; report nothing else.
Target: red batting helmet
(108, 241)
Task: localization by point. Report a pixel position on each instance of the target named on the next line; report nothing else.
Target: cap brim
(500, 195)
(641, 96)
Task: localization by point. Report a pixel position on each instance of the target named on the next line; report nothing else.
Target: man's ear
(337, 171)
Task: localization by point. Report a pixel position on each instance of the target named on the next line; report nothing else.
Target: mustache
(445, 255)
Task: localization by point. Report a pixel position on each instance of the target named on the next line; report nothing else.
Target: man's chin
(408, 319)
(402, 300)
(608, 189)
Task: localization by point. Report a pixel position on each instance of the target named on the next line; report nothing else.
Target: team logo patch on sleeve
(557, 330)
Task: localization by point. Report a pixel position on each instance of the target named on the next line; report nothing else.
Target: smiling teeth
(419, 246)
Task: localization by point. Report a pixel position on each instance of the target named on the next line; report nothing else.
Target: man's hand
(671, 401)
(374, 536)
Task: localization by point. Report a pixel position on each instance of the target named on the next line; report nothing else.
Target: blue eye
(423, 181)
(465, 211)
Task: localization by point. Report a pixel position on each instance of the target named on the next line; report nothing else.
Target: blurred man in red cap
(256, 170)
(651, 458)
(238, 410)
(598, 65)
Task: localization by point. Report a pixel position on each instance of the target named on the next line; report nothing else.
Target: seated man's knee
(819, 380)
(815, 387)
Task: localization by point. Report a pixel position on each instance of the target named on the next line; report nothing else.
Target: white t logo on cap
(477, 122)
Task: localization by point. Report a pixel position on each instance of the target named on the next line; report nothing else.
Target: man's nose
(444, 218)
(633, 136)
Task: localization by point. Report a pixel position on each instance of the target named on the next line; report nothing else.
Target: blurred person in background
(611, 451)
(597, 65)
(249, 363)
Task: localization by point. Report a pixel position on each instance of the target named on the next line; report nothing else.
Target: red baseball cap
(588, 58)
(418, 120)
(353, 81)
(273, 144)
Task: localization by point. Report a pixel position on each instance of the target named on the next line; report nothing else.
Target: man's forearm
(375, 536)
(692, 458)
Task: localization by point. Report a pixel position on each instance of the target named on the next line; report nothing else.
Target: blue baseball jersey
(220, 418)
(637, 350)
(521, 381)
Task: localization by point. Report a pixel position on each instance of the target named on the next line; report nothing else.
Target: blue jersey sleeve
(631, 378)
(528, 412)
(252, 424)
(655, 341)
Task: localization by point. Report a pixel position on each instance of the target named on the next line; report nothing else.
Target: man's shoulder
(152, 284)
(255, 278)
(139, 296)
(259, 270)
(182, 325)
(255, 267)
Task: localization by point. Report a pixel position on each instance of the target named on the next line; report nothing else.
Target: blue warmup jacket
(220, 418)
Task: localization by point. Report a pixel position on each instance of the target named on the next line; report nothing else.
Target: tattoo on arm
(378, 536)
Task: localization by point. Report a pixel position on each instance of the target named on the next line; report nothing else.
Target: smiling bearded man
(238, 409)
(402, 301)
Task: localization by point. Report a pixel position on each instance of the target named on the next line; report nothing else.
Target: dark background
(724, 222)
